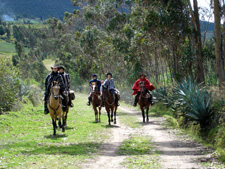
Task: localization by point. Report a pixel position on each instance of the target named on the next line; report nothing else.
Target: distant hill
(42, 9)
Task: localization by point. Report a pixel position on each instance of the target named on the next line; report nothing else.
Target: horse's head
(142, 87)
(55, 88)
(94, 87)
(105, 90)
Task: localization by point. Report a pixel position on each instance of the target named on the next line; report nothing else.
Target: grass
(6, 48)
(26, 138)
(141, 153)
(48, 63)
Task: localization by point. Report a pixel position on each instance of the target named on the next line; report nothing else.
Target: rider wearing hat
(53, 76)
(111, 86)
(98, 82)
(66, 82)
(136, 88)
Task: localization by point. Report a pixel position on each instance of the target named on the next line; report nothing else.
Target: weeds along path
(174, 152)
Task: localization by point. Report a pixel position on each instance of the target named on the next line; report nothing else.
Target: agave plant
(196, 102)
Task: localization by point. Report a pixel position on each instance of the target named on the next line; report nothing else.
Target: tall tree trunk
(156, 66)
(218, 44)
(198, 40)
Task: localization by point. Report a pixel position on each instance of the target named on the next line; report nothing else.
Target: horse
(55, 106)
(96, 101)
(66, 109)
(109, 102)
(143, 101)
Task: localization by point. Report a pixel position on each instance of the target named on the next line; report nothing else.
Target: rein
(58, 96)
(106, 100)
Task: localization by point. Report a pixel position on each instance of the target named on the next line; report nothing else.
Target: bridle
(94, 89)
(56, 97)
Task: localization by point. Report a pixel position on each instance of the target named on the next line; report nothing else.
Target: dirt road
(175, 153)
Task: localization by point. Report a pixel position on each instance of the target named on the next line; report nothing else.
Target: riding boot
(89, 101)
(136, 100)
(117, 100)
(150, 100)
(46, 107)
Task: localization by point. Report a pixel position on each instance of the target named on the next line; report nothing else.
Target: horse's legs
(111, 111)
(65, 119)
(115, 114)
(108, 112)
(99, 108)
(143, 114)
(147, 114)
(96, 114)
(60, 117)
(54, 126)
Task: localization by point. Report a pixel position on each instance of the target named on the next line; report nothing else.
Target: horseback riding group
(58, 96)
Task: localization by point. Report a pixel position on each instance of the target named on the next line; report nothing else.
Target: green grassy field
(26, 138)
(6, 49)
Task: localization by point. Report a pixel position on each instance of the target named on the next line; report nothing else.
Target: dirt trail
(109, 157)
(174, 152)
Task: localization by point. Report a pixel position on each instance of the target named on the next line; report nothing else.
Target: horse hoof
(114, 122)
(63, 129)
(53, 135)
(111, 120)
(96, 121)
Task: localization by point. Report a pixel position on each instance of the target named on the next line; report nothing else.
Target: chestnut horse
(54, 106)
(109, 102)
(143, 101)
(96, 101)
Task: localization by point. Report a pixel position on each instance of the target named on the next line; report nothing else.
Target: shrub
(9, 85)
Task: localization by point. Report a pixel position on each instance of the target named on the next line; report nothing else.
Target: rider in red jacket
(136, 88)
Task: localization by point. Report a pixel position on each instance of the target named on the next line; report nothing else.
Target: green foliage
(191, 100)
(9, 86)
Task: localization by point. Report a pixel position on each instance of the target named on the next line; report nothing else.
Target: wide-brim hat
(142, 74)
(55, 66)
(61, 67)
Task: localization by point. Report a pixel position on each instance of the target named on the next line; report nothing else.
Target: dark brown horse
(96, 101)
(110, 106)
(54, 106)
(144, 101)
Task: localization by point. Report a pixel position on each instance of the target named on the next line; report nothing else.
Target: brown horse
(143, 101)
(96, 101)
(54, 106)
(109, 102)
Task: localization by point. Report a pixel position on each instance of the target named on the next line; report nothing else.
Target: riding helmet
(61, 67)
(94, 75)
(109, 74)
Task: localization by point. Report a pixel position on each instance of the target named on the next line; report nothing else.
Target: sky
(205, 4)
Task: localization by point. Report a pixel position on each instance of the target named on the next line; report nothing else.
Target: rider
(66, 81)
(98, 82)
(136, 88)
(53, 76)
(110, 83)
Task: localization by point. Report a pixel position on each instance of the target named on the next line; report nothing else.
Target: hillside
(35, 8)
